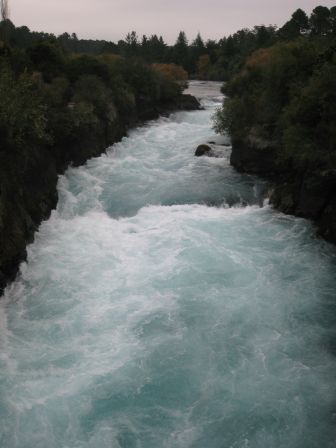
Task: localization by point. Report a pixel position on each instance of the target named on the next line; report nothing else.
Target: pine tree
(320, 21)
(181, 51)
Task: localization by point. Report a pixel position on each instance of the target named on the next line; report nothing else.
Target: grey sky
(112, 19)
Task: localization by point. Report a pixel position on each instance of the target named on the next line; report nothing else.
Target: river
(166, 304)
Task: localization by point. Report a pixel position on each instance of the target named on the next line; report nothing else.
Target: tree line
(203, 59)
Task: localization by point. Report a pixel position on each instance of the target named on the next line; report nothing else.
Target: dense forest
(281, 115)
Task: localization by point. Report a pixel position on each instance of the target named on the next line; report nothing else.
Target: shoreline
(309, 194)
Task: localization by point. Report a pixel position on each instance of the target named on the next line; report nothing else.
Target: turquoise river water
(165, 304)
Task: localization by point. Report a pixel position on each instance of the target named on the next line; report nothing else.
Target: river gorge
(165, 303)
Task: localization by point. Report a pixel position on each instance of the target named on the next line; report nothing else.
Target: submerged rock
(189, 102)
(203, 150)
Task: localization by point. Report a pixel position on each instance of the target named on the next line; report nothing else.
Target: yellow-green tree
(203, 66)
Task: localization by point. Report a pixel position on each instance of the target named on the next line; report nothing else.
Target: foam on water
(147, 318)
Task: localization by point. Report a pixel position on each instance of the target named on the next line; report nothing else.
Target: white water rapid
(163, 307)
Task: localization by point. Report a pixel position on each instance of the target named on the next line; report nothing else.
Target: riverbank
(280, 115)
(28, 179)
(309, 193)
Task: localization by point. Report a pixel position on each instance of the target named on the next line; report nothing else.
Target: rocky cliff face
(27, 194)
(28, 179)
(309, 194)
(253, 156)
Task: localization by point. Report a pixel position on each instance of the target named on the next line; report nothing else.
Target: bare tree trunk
(4, 13)
(4, 9)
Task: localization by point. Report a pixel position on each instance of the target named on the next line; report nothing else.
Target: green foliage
(91, 90)
(226, 56)
(48, 58)
(180, 51)
(172, 80)
(309, 119)
(285, 95)
(23, 119)
(86, 65)
(320, 21)
(237, 47)
(55, 99)
(297, 26)
(222, 119)
(82, 115)
(57, 92)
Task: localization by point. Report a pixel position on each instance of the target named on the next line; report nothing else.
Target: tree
(263, 35)
(300, 18)
(4, 11)
(47, 58)
(153, 49)
(229, 47)
(212, 50)
(172, 80)
(22, 37)
(320, 21)
(198, 42)
(297, 26)
(333, 20)
(172, 72)
(197, 49)
(132, 38)
(86, 65)
(132, 44)
(91, 90)
(22, 113)
(203, 66)
(181, 51)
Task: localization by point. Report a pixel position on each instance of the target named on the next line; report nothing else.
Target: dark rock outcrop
(254, 156)
(183, 102)
(202, 150)
(27, 195)
(327, 220)
(309, 193)
(189, 102)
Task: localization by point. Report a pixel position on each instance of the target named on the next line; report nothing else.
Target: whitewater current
(165, 304)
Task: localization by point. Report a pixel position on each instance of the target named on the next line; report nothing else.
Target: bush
(23, 119)
(286, 95)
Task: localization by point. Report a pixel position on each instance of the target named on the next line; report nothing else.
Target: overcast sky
(112, 19)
